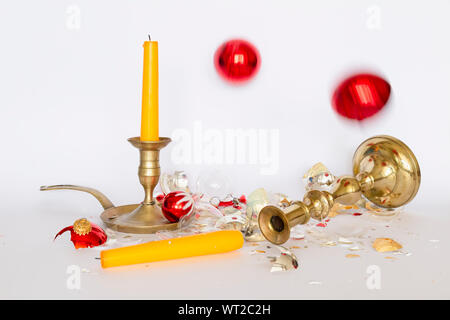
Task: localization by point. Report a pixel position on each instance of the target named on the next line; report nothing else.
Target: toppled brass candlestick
(135, 218)
(386, 173)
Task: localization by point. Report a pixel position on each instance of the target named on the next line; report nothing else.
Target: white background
(70, 97)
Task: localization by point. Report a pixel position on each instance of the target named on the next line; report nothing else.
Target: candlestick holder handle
(104, 201)
(386, 173)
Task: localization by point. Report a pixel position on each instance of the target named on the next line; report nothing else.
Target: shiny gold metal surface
(82, 226)
(147, 224)
(104, 201)
(386, 173)
(145, 217)
(277, 222)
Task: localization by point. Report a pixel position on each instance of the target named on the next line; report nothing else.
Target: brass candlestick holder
(145, 217)
(386, 173)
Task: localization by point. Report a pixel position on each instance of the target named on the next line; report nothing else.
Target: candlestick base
(137, 218)
(141, 218)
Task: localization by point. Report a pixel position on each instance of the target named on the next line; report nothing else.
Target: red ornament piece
(85, 234)
(176, 205)
(237, 60)
(226, 203)
(160, 198)
(243, 199)
(234, 202)
(361, 96)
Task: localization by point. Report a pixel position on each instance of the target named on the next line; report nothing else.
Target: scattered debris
(318, 177)
(298, 236)
(286, 261)
(329, 244)
(345, 240)
(386, 245)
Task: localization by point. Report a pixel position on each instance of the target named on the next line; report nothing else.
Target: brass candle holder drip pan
(386, 173)
(145, 217)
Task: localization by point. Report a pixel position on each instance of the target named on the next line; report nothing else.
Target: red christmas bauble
(237, 60)
(361, 96)
(176, 205)
(85, 234)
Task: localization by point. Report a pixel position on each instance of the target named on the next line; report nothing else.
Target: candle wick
(149, 38)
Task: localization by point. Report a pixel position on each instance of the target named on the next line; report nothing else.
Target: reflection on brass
(386, 173)
(145, 217)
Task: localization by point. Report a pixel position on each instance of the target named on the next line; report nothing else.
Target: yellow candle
(149, 116)
(189, 246)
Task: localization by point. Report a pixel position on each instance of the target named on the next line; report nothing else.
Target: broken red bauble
(361, 96)
(234, 202)
(177, 205)
(159, 198)
(237, 60)
(85, 234)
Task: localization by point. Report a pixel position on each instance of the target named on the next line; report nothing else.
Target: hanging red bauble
(361, 96)
(85, 234)
(237, 60)
(176, 205)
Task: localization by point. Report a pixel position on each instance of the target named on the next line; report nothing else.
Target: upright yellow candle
(150, 117)
(189, 246)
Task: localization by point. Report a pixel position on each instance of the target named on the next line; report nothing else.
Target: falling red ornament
(85, 234)
(361, 96)
(237, 60)
(177, 205)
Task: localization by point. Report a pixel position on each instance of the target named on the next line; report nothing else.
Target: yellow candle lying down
(189, 246)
